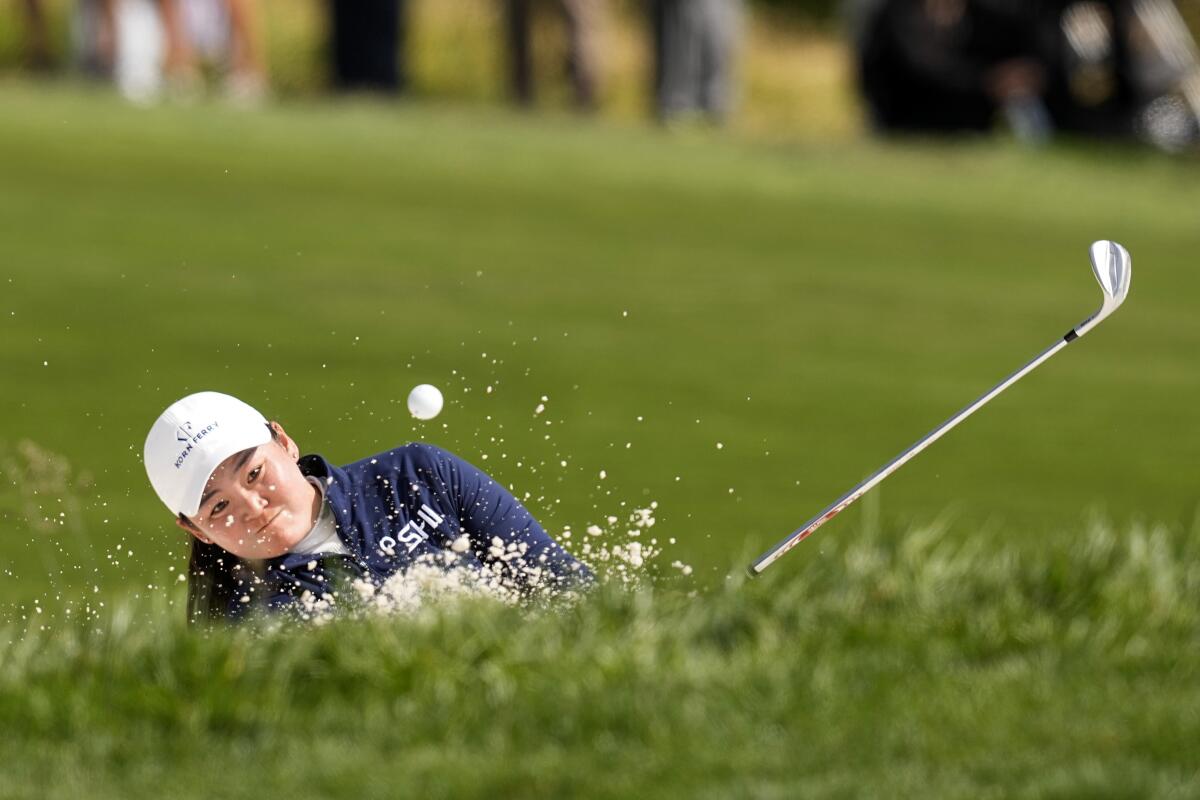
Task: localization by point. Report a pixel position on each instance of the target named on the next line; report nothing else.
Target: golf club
(1111, 265)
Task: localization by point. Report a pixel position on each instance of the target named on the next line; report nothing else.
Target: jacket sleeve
(499, 528)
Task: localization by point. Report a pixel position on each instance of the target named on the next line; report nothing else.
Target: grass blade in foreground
(1110, 263)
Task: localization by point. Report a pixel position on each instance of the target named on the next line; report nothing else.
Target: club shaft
(839, 505)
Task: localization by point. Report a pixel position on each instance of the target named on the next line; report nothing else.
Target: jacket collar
(335, 482)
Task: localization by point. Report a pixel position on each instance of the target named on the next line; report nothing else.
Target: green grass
(912, 663)
(812, 308)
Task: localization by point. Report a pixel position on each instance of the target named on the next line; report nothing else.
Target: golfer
(270, 527)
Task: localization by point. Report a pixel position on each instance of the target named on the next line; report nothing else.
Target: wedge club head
(1112, 266)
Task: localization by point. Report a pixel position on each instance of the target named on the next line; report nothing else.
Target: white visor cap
(191, 439)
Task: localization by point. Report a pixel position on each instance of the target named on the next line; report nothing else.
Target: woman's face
(257, 504)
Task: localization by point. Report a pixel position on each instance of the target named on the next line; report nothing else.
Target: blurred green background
(735, 329)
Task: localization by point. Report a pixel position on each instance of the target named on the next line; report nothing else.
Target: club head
(1112, 266)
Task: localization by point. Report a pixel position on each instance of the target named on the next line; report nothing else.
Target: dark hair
(217, 579)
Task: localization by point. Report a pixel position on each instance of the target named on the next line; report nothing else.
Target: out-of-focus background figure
(946, 66)
(36, 55)
(1107, 68)
(152, 47)
(367, 45)
(694, 49)
(582, 19)
(227, 33)
(1122, 68)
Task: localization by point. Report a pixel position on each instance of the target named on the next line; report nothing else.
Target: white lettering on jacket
(413, 533)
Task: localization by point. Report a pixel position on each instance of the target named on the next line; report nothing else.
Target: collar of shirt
(332, 481)
(323, 538)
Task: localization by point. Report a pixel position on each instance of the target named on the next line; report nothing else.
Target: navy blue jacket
(396, 507)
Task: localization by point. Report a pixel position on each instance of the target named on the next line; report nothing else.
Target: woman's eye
(253, 476)
(219, 507)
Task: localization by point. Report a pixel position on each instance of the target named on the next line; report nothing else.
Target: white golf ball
(425, 401)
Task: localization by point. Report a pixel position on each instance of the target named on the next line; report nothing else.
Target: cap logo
(191, 439)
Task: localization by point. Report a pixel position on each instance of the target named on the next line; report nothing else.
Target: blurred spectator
(122, 40)
(944, 66)
(1094, 67)
(149, 46)
(1122, 68)
(1086, 48)
(37, 38)
(367, 44)
(582, 19)
(226, 32)
(694, 46)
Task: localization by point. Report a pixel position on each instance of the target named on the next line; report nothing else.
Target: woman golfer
(270, 527)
